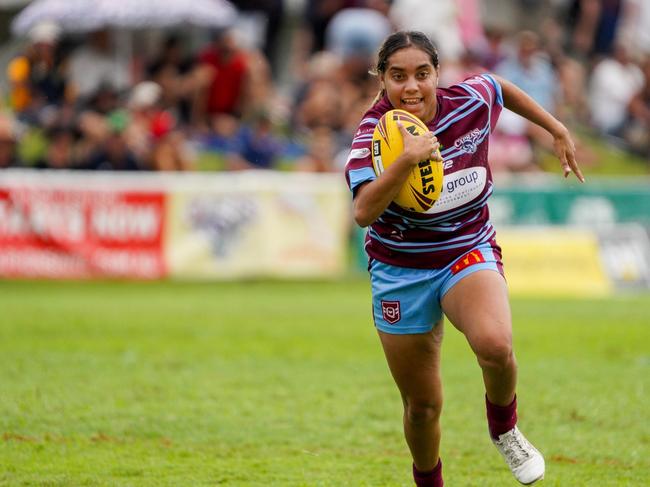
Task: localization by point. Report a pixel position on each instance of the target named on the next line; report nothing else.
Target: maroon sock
(432, 478)
(501, 419)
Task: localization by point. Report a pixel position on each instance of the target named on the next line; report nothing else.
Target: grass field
(284, 384)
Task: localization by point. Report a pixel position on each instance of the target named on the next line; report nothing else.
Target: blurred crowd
(294, 105)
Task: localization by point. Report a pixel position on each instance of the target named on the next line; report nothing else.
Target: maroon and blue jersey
(459, 220)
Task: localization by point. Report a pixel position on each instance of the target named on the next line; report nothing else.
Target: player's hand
(419, 148)
(565, 150)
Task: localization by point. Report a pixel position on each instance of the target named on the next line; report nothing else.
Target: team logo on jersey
(390, 311)
(470, 258)
(468, 143)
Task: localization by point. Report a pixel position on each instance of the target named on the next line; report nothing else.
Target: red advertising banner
(77, 233)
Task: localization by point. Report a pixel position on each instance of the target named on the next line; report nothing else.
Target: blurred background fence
(139, 144)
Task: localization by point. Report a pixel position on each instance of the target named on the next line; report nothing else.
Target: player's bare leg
(478, 306)
(414, 362)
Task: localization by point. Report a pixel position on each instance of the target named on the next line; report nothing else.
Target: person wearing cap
(152, 132)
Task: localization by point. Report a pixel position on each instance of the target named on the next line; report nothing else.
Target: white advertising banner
(259, 224)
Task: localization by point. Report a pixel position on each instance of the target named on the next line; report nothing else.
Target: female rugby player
(446, 261)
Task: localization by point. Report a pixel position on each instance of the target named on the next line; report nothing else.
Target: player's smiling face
(410, 81)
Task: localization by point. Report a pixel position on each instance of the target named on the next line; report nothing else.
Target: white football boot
(524, 460)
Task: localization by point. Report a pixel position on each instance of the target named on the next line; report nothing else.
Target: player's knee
(495, 353)
(420, 412)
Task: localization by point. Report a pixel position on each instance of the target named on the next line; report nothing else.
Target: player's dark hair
(401, 40)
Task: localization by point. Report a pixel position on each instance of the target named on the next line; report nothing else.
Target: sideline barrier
(553, 262)
(80, 225)
(561, 237)
(557, 238)
(550, 200)
(564, 238)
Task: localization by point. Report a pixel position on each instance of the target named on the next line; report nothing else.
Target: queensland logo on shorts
(390, 311)
(468, 143)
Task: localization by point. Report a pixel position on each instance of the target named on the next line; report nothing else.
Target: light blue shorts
(407, 301)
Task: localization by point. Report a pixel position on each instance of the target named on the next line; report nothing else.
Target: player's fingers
(570, 165)
(576, 170)
(566, 169)
(570, 159)
(435, 152)
(562, 156)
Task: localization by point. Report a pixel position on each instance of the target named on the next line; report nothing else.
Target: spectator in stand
(321, 105)
(322, 152)
(36, 77)
(170, 151)
(272, 12)
(318, 15)
(614, 81)
(94, 65)
(226, 94)
(637, 128)
(153, 134)
(143, 106)
(492, 53)
(8, 138)
(261, 95)
(113, 153)
(593, 26)
(635, 26)
(354, 35)
(174, 73)
(571, 73)
(317, 100)
(529, 68)
(103, 101)
(469, 64)
(255, 146)
(60, 152)
(309, 38)
(358, 32)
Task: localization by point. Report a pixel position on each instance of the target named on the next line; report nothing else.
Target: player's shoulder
(483, 81)
(376, 111)
(484, 87)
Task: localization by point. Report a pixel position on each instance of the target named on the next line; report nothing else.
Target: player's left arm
(517, 100)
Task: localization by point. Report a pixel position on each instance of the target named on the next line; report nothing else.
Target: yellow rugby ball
(424, 183)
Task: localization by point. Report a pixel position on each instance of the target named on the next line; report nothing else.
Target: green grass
(272, 383)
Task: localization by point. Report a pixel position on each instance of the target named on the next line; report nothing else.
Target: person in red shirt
(225, 94)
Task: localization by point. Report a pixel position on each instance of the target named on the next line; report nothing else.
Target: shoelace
(515, 450)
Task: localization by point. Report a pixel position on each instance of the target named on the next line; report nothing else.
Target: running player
(446, 261)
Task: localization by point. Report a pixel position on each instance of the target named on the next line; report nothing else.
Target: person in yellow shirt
(34, 76)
